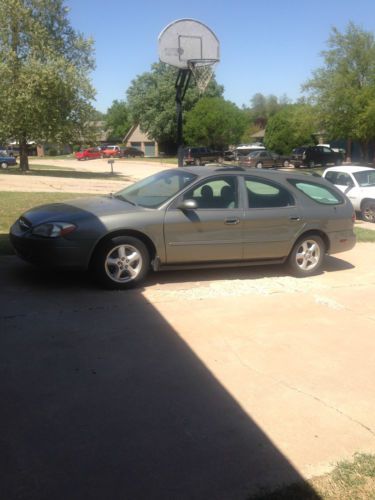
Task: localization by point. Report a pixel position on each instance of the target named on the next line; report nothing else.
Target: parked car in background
(130, 151)
(263, 159)
(201, 156)
(358, 183)
(229, 155)
(111, 151)
(6, 160)
(189, 217)
(89, 154)
(310, 156)
(244, 149)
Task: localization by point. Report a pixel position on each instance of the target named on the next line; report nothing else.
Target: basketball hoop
(193, 48)
(202, 70)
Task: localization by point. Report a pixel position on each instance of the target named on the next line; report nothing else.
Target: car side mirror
(188, 205)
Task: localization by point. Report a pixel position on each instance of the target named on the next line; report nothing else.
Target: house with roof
(138, 139)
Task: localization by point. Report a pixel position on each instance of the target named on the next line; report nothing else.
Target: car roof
(269, 173)
(348, 168)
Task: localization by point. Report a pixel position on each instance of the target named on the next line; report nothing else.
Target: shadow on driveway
(101, 399)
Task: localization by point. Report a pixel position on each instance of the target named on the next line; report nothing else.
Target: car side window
(344, 179)
(216, 193)
(264, 194)
(331, 176)
(317, 192)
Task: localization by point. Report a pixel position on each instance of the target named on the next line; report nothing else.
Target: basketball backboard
(187, 40)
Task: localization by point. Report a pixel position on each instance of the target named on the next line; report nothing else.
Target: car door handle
(295, 218)
(234, 220)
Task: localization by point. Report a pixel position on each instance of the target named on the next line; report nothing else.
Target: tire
(307, 256)
(121, 262)
(259, 165)
(338, 162)
(311, 164)
(4, 165)
(286, 163)
(368, 211)
(197, 162)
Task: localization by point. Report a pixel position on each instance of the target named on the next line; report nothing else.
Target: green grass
(13, 204)
(349, 480)
(37, 170)
(365, 235)
(169, 161)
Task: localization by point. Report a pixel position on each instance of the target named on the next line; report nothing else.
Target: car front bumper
(50, 252)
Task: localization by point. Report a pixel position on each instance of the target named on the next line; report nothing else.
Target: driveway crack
(300, 391)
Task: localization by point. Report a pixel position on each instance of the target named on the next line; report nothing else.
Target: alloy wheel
(123, 263)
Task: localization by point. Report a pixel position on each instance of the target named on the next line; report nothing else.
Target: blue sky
(267, 46)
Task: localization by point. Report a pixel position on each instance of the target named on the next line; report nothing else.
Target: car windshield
(365, 178)
(155, 190)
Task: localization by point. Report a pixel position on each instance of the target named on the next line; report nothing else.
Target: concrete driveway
(203, 384)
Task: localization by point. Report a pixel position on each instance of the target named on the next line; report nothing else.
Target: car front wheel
(368, 211)
(4, 165)
(259, 164)
(307, 256)
(122, 262)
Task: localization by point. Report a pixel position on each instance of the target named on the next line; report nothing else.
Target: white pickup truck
(358, 183)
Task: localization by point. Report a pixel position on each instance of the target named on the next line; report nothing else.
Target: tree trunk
(24, 160)
(349, 150)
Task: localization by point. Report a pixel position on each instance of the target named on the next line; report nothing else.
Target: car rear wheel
(197, 162)
(368, 211)
(4, 165)
(122, 262)
(307, 256)
(311, 164)
(259, 164)
(286, 163)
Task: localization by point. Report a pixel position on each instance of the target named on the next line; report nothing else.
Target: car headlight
(53, 229)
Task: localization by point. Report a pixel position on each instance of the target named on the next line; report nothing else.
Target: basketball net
(202, 70)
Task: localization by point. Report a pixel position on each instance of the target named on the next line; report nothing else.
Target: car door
(272, 219)
(266, 159)
(213, 231)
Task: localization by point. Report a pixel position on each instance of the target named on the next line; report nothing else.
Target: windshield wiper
(120, 197)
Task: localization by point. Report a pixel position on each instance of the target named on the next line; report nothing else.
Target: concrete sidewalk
(72, 180)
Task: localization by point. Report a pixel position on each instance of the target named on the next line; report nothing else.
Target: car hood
(79, 209)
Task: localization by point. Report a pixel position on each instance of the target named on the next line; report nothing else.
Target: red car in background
(89, 154)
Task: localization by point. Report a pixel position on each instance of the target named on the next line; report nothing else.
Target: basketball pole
(181, 86)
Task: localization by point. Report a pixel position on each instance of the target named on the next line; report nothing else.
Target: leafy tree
(151, 101)
(214, 122)
(344, 87)
(263, 107)
(45, 92)
(293, 126)
(117, 120)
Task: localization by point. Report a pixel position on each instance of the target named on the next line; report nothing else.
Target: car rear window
(321, 194)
